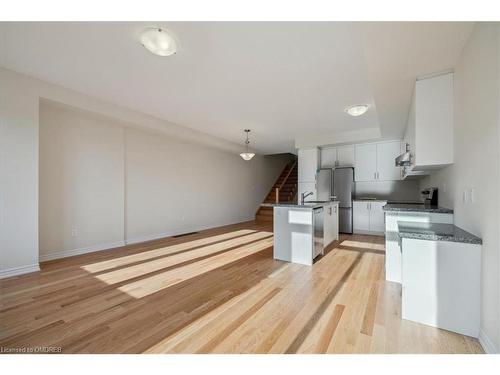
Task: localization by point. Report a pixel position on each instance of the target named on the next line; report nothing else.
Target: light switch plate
(465, 196)
(472, 195)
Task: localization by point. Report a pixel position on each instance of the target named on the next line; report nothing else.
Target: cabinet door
(366, 162)
(328, 157)
(308, 165)
(329, 225)
(377, 216)
(345, 156)
(335, 209)
(386, 155)
(434, 121)
(361, 216)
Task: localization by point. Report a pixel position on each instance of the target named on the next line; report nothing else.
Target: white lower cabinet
(392, 245)
(368, 217)
(377, 216)
(442, 284)
(331, 224)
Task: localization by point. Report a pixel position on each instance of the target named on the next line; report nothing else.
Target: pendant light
(247, 155)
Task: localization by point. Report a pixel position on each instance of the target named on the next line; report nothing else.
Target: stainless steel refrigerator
(338, 182)
(343, 189)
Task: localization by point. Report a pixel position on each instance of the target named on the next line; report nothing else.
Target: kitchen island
(302, 231)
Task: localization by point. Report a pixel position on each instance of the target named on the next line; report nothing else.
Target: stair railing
(278, 189)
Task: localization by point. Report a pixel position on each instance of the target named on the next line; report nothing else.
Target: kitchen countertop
(369, 200)
(295, 205)
(436, 232)
(412, 207)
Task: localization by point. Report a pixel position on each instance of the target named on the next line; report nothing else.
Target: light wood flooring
(218, 291)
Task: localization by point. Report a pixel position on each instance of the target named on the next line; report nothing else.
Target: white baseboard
(197, 228)
(106, 246)
(486, 343)
(19, 271)
(80, 251)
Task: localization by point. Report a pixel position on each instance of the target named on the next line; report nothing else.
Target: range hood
(404, 160)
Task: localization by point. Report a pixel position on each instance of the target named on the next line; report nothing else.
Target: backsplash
(407, 190)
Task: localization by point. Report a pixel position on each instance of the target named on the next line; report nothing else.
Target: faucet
(304, 195)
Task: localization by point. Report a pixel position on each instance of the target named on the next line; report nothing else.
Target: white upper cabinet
(376, 161)
(308, 160)
(386, 164)
(332, 157)
(345, 156)
(365, 168)
(429, 129)
(329, 157)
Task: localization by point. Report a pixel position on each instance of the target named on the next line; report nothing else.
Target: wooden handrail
(284, 180)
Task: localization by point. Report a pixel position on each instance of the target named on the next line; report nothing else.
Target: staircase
(284, 190)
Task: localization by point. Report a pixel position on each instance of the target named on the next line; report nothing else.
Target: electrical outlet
(74, 231)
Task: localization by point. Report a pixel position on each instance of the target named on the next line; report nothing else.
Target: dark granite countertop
(436, 232)
(412, 207)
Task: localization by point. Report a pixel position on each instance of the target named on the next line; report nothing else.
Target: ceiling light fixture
(247, 155)
(357, 110)
(158, 41)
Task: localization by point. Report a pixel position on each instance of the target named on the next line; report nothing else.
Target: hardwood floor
(218, 291)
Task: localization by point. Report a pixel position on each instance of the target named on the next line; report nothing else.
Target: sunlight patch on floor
(363, 244)
(153, 284)
(212, 323)
(158, 264)
(145, 255)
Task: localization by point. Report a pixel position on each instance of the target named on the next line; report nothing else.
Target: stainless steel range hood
(404, 159)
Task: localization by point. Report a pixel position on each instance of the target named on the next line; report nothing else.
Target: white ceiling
(283, 80)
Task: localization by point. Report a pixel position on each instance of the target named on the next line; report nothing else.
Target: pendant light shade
(247, 155)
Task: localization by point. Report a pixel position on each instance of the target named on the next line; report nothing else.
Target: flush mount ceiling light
(158, 41)
(357, 110)
(247, 155)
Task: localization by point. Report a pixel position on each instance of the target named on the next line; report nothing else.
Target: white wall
(81, 182)
(177, 187)
(115, 184)
(19, 160)
(477, 163)
(18, 178)
(404, 191)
